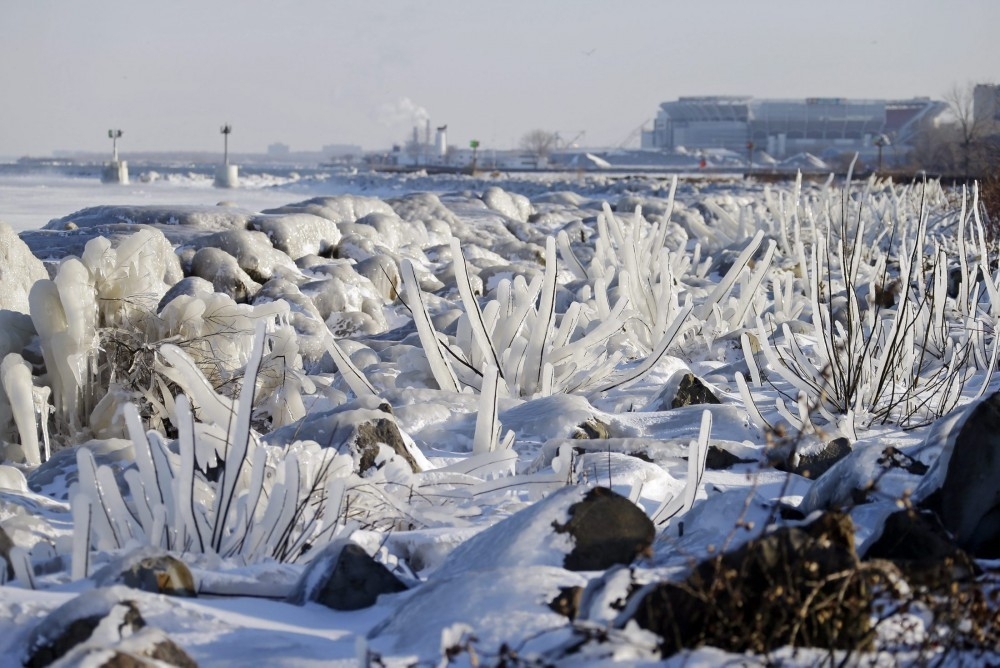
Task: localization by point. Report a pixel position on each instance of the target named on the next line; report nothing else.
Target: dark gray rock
(607, 529)
(968, 500)
(811, 461)
(5, 546)
(719, 459)
(693, 391)
(356, 581)
(923, 550)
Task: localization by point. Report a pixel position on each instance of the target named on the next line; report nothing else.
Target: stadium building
(817, 125)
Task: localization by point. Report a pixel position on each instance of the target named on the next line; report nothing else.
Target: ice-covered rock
(339, 209)
(224, 273)
(149, 570)
(97, 617)
(253, 251)
(299, 234)
(364, 428)
(512, 205)
(503, 606)
(190, 286)
(19, 269)
(573, 528)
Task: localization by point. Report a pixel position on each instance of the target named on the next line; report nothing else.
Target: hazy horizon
(313, 73)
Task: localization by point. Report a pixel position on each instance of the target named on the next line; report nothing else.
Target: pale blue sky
(317, 72)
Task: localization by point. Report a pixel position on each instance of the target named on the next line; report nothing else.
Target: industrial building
(816, 125)
(986, 106)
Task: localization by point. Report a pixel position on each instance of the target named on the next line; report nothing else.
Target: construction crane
(562, 144)
(636, 132)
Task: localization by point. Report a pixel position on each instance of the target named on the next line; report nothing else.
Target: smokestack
(441, 141)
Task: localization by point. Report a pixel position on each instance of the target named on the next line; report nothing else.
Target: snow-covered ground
(443, 370)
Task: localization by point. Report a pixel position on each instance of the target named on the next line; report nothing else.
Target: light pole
(474, 145)
(880, 141)
(226, 130)
(115, 171)
(113, 135)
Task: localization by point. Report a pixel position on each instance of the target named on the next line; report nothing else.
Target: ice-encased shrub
(899, 301)
(282, 502)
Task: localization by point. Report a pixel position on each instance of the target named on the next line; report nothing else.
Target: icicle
(537, 351)
(184, 494)
(440, 366)
(15, 375)
(353, 376)
(487, 431)
(23, 568)
(239, 441)
(83, 512)
(475, 316)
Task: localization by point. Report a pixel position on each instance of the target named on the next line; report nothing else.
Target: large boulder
(963, 485)
(253, 252)
(19, 270)
(224, 273)
(298, 234)
(504, 607)
(574, 528)
(923, 550)
(607, 530)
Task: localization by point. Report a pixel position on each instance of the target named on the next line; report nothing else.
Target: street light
(226, 130)
(113, 135)
(474, 145)
(880, 141)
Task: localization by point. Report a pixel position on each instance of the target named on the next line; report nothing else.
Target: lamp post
(115, 171)
(880, 141)
(113, 135)
(226, 175)
(226, 130)
(474, 145)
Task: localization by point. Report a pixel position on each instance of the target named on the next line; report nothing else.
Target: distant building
(986, 106)
(787, 127)
(341, 150)
(278, 150)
